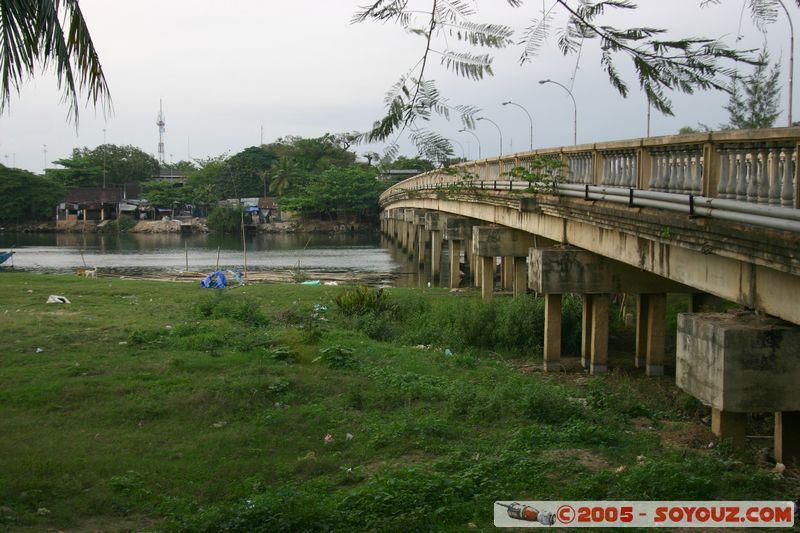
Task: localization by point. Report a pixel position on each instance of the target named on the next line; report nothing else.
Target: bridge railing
(749, 166)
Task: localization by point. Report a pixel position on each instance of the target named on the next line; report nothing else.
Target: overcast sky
(224, 70)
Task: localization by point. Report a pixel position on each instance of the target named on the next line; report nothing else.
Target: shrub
(360, 300)
(337, 357)
(239, 308)
(225, 219)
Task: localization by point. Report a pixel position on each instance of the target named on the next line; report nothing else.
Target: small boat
(4, 256)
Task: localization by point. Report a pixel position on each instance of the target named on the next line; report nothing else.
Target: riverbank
(190, 225)
(145, 405)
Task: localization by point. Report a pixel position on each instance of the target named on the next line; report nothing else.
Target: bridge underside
(756, 268)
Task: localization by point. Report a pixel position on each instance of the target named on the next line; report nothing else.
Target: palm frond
(32, 34)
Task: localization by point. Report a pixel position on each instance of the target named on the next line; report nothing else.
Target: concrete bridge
(715, 215)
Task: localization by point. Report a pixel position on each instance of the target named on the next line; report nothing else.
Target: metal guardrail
(774, 217)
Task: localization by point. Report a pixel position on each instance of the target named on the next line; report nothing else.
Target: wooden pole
(217, 267)
(244, 246)
(186, 253)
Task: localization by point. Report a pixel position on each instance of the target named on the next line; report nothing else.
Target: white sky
(225, 69)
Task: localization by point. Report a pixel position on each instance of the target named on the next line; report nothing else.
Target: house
(92, 205)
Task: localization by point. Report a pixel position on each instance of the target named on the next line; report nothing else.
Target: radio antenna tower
(160, 123)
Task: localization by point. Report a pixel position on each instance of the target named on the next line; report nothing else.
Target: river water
(135, 254)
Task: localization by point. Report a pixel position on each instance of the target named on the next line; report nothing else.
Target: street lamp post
(574, 107)
(498, 131)
(791, 59)
(529, 118)
(463, 154)
(476, 139)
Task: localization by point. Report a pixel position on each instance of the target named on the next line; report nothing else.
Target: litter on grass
(215, 280)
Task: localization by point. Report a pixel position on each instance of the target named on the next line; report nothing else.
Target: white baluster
(655, 171)
(763, 177)
(742, 174)
(775, 176)
(724, 170)
(787, 187)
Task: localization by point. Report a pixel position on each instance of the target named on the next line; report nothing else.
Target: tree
(25, 196)
(284, 171)
(407, 163)
(352, 189)
(754, 100)
(685, 65)
(33, 35)
(122, 164)
(247, 168)
(163, 194)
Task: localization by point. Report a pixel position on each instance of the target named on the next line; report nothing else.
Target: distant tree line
(317, 177)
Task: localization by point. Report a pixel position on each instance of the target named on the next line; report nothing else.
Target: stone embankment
(195, 225)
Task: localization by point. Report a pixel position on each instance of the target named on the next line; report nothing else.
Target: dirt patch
(585, 458)
(682, 435)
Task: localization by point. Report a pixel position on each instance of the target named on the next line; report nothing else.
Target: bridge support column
(477, 276)
(520, 276)
(487, 277)
(424, 237)
(457, 230)
(436, 254)
(728, 425)
(507, 269)
(469, 261)
(641, 330)
(586, 331)
(656, 330)
(599, 342)
(552, 332)
(787, 437)
(509, 244)
(455, 263)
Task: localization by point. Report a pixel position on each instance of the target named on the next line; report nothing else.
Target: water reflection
(130, 254)
(133, 253)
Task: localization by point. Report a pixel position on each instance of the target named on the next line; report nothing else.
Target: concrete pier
(512, 246)
(743, 363)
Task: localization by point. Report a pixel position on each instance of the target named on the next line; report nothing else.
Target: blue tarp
(215, 280)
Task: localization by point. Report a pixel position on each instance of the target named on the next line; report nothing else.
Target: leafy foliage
(225, 219)
(26, 196)
(754, 101)
(334, 190)
(362, 299)
(661, 65)
(164, 194)
(543, 174)
(122, 164)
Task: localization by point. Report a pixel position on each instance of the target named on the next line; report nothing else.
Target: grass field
(160, 406)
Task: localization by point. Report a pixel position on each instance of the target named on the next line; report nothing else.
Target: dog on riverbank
(87, 272)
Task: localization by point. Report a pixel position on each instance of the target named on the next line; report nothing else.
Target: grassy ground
(160, 406)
